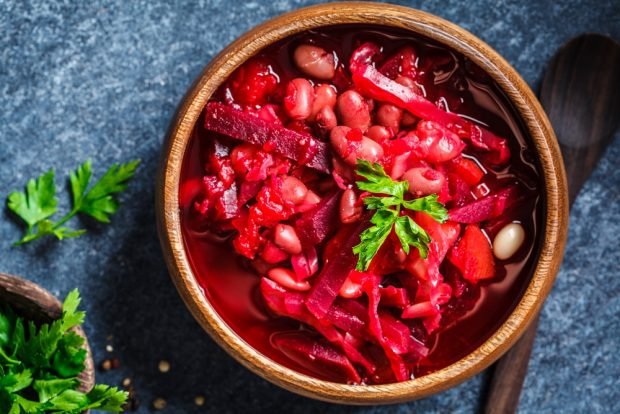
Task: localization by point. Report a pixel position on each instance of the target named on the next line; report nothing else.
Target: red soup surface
(316, 135)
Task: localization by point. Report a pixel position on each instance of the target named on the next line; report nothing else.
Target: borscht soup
(361, 204)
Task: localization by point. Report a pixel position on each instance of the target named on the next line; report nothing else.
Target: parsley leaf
(16, 382)
(377, 181)
(40, 371)
(373, 237)
(106, 398)
(388, 199)
(38, 203)
(374, 203)
(99, 202)
(430, 206)
(48, 389)
(410, 233)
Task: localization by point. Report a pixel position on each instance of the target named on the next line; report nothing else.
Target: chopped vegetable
(314, 226)
(334, 272)
(472, 255)
(248, 128)
(486, 208)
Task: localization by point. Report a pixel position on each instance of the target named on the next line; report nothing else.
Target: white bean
(508, 241)
(324, 95)
(286, 278)
(349, 211)
(389, 116)
(326, 119)
(294, 190)
(378, 133)
(299, 98)
(285, 237)
(353, 110)
(424, 181)
(314, 61)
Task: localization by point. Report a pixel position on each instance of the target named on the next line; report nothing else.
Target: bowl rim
(518, 92)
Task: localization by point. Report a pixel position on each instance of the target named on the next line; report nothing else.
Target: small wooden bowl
(528, 107)
(33, 303)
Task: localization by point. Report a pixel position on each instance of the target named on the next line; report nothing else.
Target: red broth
(232, 285)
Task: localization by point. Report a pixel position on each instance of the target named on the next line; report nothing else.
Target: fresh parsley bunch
(388, 204)
(38, 203)
(39, 366)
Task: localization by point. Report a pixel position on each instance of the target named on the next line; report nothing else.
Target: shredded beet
(335, 271)
(486, 208)
(317, 356)
(314, 226)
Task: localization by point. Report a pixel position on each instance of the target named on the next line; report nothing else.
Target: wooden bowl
(534, 119)
(36, 304)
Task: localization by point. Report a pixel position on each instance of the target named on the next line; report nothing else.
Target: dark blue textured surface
(102, 81)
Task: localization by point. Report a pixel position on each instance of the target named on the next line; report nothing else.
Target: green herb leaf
(7, 323)
(430, 206)
(105, 398)
(71, 317)
(16, 382)
(375, 203)
(410, 234)
(79, 180)
(68, 360)
(23, 405)
(44, 363)
(377, 181)
(388, 204)
(373, 237)
(99, 202)
(48, 389)
(38, 203)
(68, 401)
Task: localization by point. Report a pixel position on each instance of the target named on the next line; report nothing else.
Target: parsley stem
(66, 218)
(30, 236)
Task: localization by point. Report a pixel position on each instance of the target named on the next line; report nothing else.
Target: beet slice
(398, 337)
(344, 319)
(243, 126)
(392, 349)
(335, 271)
(316, 355)
(316, 225)
(485, 208)
(291, 304)
(393, 296)
(373, 84)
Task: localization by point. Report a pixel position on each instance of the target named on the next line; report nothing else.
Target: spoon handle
(587, 66)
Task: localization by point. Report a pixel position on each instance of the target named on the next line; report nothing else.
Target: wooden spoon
(581, 95)
(34, 303)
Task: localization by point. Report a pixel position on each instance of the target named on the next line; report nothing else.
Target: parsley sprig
(38, 203)
(39, 366)
(388, 202)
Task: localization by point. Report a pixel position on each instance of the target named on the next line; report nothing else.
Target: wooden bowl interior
(533, 117)
(33, 303)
